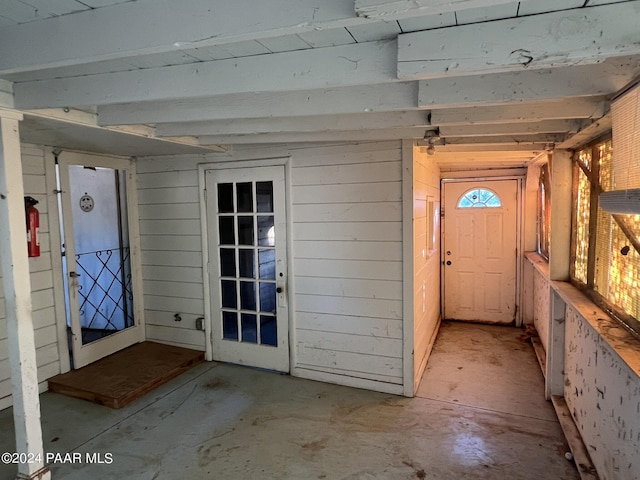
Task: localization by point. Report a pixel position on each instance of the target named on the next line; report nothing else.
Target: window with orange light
(605, 248)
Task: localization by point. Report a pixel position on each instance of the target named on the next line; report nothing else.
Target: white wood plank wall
(44, 317)
(347, 249)
(346, 227)
(602, 390)
(426, 264)
(171, 246)
(541, 300)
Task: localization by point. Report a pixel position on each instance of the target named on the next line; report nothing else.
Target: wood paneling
(42, 298)
(362, 270)
(171, 249)
(362, 192)
(347, 231)
(348, 287)
(601, 392)
(324, 322)
(426, 264)
(370, 231)
(346, 281)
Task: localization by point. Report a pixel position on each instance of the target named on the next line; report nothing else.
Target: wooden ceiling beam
(491, 149)
(588, 133)
(541, 139)
(357, 64)
(597, 80)
(310, 137)
(401, 9)
(508, 155)
(550, 40)
(388, 97)
(314, 123)
(147, 27)
(476, 142)
(576, 108)
(518, 128)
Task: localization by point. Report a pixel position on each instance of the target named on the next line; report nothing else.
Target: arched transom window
(479, 198)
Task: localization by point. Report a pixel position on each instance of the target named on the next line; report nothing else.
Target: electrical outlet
(200, 323)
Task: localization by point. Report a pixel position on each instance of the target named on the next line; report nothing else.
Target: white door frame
(519, 234)
(206, 255)
(103, 347)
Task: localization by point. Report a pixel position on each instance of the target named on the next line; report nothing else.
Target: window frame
(479, 204)
(544, 211)
(432, 226)
(630, 323)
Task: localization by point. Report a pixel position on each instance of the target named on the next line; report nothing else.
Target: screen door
(97, 256)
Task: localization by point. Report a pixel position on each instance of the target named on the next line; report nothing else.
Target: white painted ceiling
(512, 78)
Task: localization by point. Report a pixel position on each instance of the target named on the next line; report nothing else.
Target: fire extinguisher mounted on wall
(33, 226)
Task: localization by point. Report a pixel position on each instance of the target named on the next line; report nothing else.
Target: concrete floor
(479, 414)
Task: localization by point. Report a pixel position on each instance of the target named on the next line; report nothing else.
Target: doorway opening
(96, 257)
(481, 250)
(247, 247)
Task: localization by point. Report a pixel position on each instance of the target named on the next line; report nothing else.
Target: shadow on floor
(229, 422)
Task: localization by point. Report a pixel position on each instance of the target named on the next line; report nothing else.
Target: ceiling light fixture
(431, 137)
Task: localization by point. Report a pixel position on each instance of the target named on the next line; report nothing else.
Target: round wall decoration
(86, 203)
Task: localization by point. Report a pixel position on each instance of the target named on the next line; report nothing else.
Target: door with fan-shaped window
(480, 251)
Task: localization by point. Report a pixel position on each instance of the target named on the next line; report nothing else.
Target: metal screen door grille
(105, 292)
(246, 248)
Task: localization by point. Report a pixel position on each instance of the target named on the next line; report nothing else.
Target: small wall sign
(86, 203)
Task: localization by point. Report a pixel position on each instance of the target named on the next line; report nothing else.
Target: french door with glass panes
(246, 227)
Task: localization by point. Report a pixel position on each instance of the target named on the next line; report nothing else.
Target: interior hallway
(479, 414)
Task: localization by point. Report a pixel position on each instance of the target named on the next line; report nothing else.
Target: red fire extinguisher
(33, 226)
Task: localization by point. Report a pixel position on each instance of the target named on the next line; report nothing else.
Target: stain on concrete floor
(228, 422)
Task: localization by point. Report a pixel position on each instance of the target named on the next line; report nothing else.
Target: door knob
(279, 289)
(74, 274)
(448, 262)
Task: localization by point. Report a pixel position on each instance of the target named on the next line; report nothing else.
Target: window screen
(582, 209)
(626, 138)
(605, 247)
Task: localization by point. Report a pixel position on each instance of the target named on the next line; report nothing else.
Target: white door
(246, 227)
(97, 256)
(480, 250)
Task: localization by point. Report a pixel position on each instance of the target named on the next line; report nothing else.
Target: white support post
(559, 264)
(561, 204)
(17, 285)
(554, 382)
(408, 275)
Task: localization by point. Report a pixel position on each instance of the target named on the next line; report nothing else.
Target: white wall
(536, 298)
(601, 376)
(44, 313)
(346, 231)
(426, 265)
(603, 391)
(347, 247)
(171, 249)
